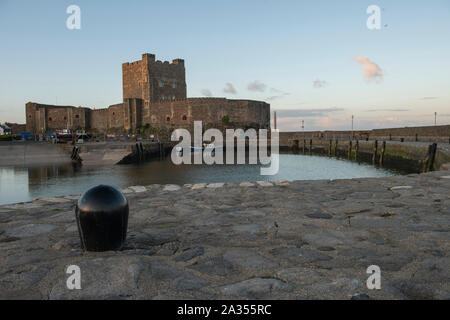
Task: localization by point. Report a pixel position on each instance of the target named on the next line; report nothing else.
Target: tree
(225, 120)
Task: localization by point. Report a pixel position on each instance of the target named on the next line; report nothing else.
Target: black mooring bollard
(102, 218)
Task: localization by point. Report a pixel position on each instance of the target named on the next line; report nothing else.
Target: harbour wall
(32, 154)
(406, 156)
(416, 134)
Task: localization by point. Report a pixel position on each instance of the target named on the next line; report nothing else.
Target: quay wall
(30, 154)
(415, 134)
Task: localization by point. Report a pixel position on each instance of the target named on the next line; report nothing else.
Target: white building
(4, 129)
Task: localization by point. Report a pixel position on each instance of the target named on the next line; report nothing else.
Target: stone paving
(262, 240)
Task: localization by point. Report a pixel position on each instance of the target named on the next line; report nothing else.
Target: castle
(154, 96)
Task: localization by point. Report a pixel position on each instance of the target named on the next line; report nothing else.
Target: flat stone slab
(198, 186)
(401, 187)
(246, 184)
(171, 187)
(138, 189)
(282, 183)
(264, 183)
(294, 240)
(127, 191)
(73, 197)
(23, 206)
(216, 185)
(30, 230)
(55, 200)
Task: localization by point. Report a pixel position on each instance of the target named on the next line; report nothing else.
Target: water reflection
(23, 184)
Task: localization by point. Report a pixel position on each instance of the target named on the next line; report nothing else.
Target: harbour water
(19, 184)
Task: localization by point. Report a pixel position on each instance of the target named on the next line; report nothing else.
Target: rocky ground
(289, 240)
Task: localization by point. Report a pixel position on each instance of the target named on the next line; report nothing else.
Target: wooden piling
(356, 150)
(349, 152)
(329, 148)
(304, 145)
(431, 155)
(375, 151)
(383, 149)
(310, 146)
(336, 148)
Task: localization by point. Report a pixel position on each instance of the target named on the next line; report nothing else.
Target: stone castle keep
(154, 94)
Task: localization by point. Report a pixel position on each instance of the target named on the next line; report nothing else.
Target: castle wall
(99, 119)
(182, 113)
(154, 81)
(116, 116)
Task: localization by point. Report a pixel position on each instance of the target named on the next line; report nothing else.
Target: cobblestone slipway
(288, 240)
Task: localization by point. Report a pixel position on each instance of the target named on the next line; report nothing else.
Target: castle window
(77, 116)
(184, 118)
(65, 118)
(114, 113)
(174, 85)
(168, 119)
(49, 119)
(160, 84)
(173, 97)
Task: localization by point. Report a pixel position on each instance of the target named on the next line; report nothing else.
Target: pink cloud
(371, 70)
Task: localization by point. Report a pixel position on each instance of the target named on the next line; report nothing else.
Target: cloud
(229, 88)
(319, 83)
(428, 98)
(295, 113)
(256, 86)
(387, 110)
(371, 70)
(276, 97)
(280, 94)
(206, 93)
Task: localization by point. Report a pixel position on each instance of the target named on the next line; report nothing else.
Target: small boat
(206, 147)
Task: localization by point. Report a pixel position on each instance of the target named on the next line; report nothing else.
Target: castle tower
(154, 81)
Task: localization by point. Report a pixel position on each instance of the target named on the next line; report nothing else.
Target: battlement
(149, 58)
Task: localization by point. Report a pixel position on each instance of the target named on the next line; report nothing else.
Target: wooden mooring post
(310, 146)
(329, 148)
(375, 151)
(336, 148)
(356, 150)
(304, 145)
(383, 150)
(429, 160)
(349, 151)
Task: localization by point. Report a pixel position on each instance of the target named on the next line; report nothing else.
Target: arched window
(168, 119)
(49, 119)
(184, 118)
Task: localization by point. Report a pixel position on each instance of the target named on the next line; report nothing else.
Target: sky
(315, 61)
